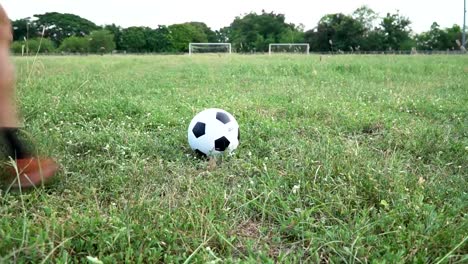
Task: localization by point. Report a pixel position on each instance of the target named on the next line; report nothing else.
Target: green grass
(343, 159)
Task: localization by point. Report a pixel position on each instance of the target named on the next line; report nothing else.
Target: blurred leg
(8, 114)
(27, 170)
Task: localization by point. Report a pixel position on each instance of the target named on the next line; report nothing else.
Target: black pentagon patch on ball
(222, 144)
(223, 117)
(199, 129)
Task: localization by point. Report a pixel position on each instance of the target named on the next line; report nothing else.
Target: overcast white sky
(220, 13)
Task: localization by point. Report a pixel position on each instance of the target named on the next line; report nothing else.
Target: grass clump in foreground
(343, 159)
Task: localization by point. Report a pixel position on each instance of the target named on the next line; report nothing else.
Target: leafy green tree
(145, 39)
(210, 34)
(311, 37)
(163, 40)
(454, 33)
(366, 16)
(101, 41)
(134, 39)
(439, 39)
(396, 29)
(358, 31)
(429, 40)
(374, 41)
(24, 29)
(337, 32)
(292, 35)
(151, 38)
(254, 32)
(117, 32)
(60, 26)
(75, 44)
(222, 35)
(372, 38)
(183, 34)
(32, 46)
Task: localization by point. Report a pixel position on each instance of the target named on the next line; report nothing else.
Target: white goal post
(210, 48)
(289, 48)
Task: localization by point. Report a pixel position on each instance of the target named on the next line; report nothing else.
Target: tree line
(363, 30)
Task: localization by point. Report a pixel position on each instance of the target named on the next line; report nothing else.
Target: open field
(343, 159)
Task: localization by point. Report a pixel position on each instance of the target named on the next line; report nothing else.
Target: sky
(220, 13)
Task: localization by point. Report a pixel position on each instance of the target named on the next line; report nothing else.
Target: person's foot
(32, 172)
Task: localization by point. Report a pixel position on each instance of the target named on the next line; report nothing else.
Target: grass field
(343, 159)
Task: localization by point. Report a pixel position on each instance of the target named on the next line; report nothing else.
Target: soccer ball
(213, 132)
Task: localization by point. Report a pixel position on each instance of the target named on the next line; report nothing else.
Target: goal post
(297, 48)
(210, 48)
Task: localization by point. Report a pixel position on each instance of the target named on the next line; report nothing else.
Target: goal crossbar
(192, 44)
(289, 44)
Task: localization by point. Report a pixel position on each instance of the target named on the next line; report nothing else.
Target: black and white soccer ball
(213, 132)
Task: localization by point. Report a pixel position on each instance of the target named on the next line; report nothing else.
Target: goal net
(298, 48)
(195, 48)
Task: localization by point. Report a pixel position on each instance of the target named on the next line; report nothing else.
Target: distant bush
(101, 41)
(33, 46)
(75, 44)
